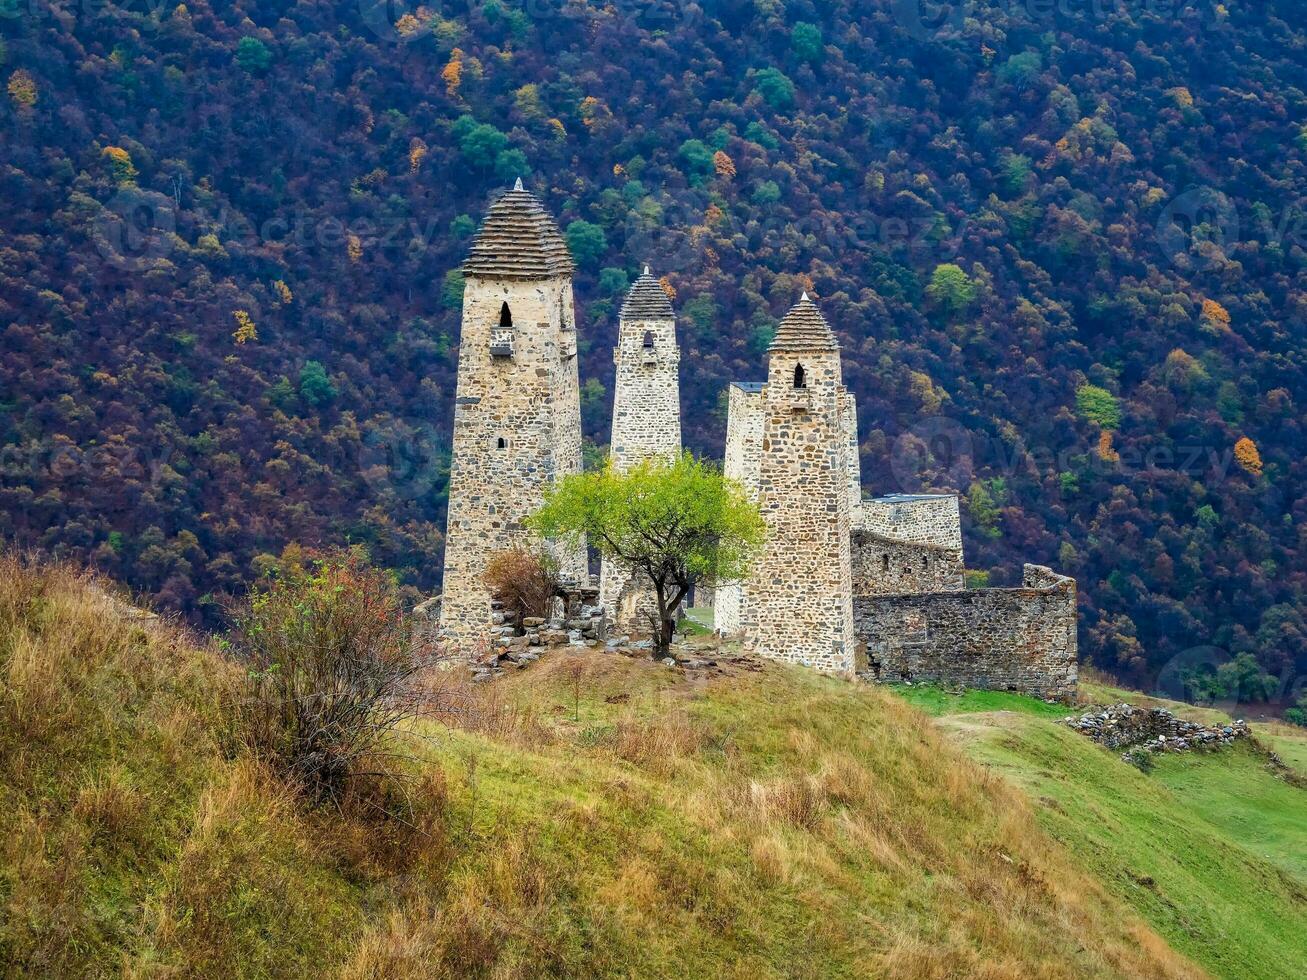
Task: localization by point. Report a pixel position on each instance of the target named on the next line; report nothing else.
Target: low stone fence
(1125, 726)
(1021, 639)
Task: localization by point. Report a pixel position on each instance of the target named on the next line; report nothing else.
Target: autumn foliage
(1004, 213)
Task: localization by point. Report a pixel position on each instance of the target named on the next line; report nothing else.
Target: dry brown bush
(523, 580)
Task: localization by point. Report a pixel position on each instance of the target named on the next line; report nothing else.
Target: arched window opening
(501, 443)
(505, 318)
(800, 379)
(925, 561)
(884, 563)
(648, 339)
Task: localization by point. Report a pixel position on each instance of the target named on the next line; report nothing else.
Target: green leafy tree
(775, 87)
(673, 523)
(698, 156)
(1098, 405)
(1016, 171)
(451, 291)
(1297, 715)
(983, 508)
(806, 40)
(761, 135)
(950, 288)
(613, 281)
(767, 192)
(481, 143)
(587, 242)
(511, 164)
(1021, 70)
(253, 56)
(315, 387)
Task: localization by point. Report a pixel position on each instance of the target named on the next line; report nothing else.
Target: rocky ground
(1125, 726)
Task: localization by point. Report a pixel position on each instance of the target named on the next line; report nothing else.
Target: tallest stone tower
(517, 415)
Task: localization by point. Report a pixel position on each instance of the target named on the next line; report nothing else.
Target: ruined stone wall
(931, 519)
(799, 606)
(887, 566)
(646, 425)
(517, 428)
(743, 449)
(1021, 639)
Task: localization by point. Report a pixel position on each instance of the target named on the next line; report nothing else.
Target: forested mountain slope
(1064, 253)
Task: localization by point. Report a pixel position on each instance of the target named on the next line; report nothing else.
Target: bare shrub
(332, 668)
(523, 580)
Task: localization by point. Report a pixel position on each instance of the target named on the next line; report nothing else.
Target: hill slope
(1119, 187)
(1207, 847)
(591, 816)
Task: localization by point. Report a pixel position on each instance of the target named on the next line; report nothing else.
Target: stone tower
(800, 606)
(517, 414)
(646, 418)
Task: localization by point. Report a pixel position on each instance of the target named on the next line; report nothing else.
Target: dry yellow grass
(591, 816)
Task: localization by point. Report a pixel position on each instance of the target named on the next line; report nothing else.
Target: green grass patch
(937, 701)
(1237, 793)
(1289, 742)
(1219, 877)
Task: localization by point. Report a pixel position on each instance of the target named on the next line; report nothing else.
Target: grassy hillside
(590, 816)
(1207, 848)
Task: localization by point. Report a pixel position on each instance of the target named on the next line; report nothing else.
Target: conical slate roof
(518, 240)
(804, 329)
(647, 300)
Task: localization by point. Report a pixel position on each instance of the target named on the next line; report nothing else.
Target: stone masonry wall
(646, 425)
(800, 591)
(931, 519)
(517, 429)
(743, 449)
(852, 459)
(1021, 639)
(886, 566)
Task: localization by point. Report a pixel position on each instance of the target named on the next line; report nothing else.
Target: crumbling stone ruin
(897, 560)
(1125, 726)
(853, 586)
(576, 620)
(646, 424)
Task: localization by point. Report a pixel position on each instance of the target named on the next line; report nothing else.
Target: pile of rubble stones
(514, 644)
(1125, 726)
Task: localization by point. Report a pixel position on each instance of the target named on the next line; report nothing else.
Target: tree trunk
(666, 626)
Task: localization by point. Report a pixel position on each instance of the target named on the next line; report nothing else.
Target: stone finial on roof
(647, 300)
(518, 240)
(804, 329)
